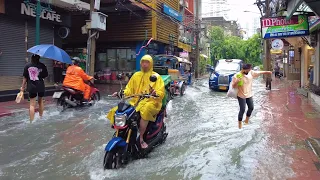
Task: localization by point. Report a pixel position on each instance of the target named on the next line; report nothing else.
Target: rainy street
(204, 142)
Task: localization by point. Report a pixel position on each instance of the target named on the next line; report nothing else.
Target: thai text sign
(279, 27)
(171, 12)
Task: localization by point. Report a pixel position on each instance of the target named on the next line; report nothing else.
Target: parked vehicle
(125, 145)
(221, 75)
(70, 98)
(180, 71)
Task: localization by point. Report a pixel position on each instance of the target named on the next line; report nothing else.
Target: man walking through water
(33, 76)
(140, 83)
(83, 59)
(243, 82)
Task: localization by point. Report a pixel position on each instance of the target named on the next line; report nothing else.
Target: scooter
(71, 98)
(125, 145)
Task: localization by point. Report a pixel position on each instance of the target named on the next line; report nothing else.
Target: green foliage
(203, 64)
(233, 47)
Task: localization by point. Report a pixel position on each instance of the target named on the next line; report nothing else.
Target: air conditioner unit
(99, 21)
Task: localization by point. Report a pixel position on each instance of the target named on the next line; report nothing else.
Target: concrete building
(230, 27)
(215, 8)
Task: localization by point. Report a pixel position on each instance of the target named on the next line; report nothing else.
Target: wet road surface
(204, 142)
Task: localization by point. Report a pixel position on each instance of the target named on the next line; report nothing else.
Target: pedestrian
(83, 59)
(33, 76)
(243, 81)
(57, 72)
(277, 71)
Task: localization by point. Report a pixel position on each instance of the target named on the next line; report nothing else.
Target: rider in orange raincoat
(140, 83)
(75, 78)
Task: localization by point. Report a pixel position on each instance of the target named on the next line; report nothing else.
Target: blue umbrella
(51, 51)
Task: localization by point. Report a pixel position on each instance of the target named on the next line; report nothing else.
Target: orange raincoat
(75, 78)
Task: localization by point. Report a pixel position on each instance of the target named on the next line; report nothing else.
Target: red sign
(279, 21)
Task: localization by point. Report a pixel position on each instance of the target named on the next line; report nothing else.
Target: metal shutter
(12, 36)
(46, 37)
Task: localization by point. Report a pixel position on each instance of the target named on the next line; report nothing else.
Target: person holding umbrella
(35, 72)
(33, 77)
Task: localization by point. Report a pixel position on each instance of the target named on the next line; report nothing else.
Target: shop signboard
(279, 27)
(171, 12)
(26, 9)
(277, 44)
(314, 22)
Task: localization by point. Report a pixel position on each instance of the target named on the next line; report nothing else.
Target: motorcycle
(125, 145)
(69, 98)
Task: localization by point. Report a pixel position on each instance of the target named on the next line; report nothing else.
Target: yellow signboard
(184, 46)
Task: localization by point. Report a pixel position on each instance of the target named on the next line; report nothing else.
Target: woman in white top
(243, 81)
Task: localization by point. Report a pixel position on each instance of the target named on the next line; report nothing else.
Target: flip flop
(142, 142)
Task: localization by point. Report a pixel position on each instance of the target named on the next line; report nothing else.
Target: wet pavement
(204, 141)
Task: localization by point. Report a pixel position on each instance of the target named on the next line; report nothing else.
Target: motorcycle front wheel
(112, 159)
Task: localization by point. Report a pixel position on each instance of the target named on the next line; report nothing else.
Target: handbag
(19, 97)
(232, 92)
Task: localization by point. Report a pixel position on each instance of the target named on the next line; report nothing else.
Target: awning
(314, 6)
(292, 7)
(111, 6)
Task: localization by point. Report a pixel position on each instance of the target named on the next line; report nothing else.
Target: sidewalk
(11, 107)
(293, 123)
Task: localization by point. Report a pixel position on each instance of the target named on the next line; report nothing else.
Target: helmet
(75, 60)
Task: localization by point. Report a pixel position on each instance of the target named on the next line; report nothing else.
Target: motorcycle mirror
(119, 76)
(153, 78)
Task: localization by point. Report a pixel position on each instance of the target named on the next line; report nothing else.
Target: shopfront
(17, 29)
(293, 31)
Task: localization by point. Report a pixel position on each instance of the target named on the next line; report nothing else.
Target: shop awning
(314, 6)
(112, 6)
(292, 7)
(305, 6)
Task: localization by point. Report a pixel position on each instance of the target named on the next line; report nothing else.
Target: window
(121, 59)
(111, 60)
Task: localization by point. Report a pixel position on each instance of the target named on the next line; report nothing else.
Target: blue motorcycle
(125, 145)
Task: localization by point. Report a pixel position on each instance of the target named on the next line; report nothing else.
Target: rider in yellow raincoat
(139, 84)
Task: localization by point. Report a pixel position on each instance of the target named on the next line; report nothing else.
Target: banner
(279, 27)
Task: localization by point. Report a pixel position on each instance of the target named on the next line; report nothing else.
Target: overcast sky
(237, 11)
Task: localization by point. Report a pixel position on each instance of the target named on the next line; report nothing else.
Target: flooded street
(204, 142)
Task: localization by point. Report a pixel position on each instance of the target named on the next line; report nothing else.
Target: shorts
(33, 95)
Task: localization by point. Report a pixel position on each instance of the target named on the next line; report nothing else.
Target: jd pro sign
(279, 27)
(29, 9)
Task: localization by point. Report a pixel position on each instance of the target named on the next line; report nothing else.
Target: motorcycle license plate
(222, 87)
(57, 95)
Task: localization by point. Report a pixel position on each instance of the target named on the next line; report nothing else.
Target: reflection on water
(203, 143)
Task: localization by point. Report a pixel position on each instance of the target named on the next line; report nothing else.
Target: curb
(314, 144)
(10, 113)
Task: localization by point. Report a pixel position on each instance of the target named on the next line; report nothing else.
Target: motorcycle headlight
(120, 120)
(213, 76)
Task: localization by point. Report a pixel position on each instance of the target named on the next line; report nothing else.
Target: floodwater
(204, 142)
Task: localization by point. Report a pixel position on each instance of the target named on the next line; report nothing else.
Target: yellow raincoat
(138, 84)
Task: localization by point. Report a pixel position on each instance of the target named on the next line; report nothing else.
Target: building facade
(18, 33)
(129, 27)
(215, 8)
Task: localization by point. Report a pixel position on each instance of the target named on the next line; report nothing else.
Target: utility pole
(197, 31)
(38, 14)
(91, 48)
(267, 62)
